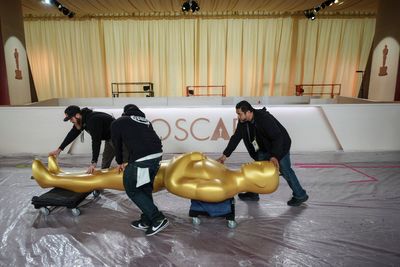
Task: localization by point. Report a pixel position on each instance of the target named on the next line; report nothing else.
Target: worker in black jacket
(136, 133)
(97, 124)
(265, 139)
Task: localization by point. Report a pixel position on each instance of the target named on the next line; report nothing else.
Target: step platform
(58, 197)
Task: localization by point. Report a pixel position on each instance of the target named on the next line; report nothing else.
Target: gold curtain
(251, 56)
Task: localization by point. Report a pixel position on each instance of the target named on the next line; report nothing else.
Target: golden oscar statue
(191, 175)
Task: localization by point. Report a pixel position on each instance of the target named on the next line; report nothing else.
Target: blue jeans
(287, 172)
(142, 195)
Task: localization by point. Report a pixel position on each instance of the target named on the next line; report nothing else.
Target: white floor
(351, 219)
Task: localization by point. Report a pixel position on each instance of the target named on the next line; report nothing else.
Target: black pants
(142, 195)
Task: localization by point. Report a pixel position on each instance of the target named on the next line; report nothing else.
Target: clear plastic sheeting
(351, 219)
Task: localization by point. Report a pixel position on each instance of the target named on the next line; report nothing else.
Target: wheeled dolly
(58, 197)
(230, 216)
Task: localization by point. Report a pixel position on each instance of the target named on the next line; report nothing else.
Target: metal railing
(309, 89)
(120, 88)
(206, 90)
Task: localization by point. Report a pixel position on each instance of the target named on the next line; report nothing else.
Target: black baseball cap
(129, 107)
(71, 111)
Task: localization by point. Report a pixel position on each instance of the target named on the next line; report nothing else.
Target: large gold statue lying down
(191, 175)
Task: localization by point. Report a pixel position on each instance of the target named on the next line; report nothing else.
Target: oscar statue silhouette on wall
(383, 69)
(18, 72)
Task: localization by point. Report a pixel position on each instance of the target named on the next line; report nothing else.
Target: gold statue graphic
(383, 69)
(18, 72)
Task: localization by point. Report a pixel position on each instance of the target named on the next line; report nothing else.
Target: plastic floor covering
(352, 218)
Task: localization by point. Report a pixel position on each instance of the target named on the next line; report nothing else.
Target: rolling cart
(219, 209)
(58, 197)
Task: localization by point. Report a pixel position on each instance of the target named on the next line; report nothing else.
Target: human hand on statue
(275, 161)
(221, 159)
(55, 153)
(121, 168)
(91, 168)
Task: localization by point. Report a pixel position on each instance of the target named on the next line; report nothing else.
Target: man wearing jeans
(265, 139)
(134, 131)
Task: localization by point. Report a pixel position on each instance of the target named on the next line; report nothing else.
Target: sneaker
(157, 227)
(249, 196)
(139, 225)
(297, 201)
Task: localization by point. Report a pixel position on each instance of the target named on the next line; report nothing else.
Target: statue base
(383, 71)
(18, 74)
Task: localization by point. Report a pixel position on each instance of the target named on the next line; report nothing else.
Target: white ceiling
(85, 8)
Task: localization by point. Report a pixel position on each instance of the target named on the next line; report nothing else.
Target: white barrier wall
(367, 127)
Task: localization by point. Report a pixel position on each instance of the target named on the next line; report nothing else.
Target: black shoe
(297, 201)
(249, 196)
(139, 225)
(157, 227)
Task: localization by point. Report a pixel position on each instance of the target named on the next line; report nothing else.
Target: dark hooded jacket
(271, 136)
(136, 133)
(97, 124)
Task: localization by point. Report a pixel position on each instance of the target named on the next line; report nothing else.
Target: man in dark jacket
(136, 133)
(265, 139)
(97, 124)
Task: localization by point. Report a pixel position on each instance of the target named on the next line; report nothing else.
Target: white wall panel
(376, 127)
(366, 127)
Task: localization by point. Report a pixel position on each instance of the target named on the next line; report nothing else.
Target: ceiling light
(63, 9)
(47, 2)
(194, 7)
(312, 13)
(185, 6)
(190, 5)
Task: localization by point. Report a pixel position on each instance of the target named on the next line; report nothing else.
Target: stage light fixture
(63, 9)
(71, 15)
(190, 5)
(194, 7)
(309, 13)
(185, 6)
(312, 13)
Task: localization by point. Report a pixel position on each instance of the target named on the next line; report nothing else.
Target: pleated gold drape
(251, 56)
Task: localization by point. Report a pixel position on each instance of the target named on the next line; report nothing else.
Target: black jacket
(137, 134)
(97, 124)
(271, 136)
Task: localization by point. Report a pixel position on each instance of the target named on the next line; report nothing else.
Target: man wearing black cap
(145, 151)
(97, 124)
